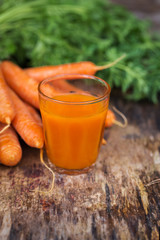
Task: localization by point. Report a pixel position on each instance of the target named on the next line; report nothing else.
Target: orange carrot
(43, 72)
(104, 141)
(6, 106)
(34, 114)
(111, 119)
(50, 90)
(88, 68)
(64, 86)
(21, 83)
(10, 149)
(25, 124)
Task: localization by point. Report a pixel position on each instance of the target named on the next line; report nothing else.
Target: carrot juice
(73, 126)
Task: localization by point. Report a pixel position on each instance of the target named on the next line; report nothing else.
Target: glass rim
(82, 76)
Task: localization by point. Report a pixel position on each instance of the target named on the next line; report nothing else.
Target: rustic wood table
(110, 202)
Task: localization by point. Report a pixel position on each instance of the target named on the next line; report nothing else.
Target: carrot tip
(104, 141)
(5, 128)
(8, 121)
(53, 179)
(123, 125)
(38, 144)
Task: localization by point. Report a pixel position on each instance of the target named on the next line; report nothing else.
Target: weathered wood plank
(110, 202)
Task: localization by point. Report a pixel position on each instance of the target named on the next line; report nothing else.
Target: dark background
(144, 9)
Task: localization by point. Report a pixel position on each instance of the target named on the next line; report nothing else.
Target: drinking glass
(73, 109)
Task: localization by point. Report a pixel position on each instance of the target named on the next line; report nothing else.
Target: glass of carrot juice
(73, 109)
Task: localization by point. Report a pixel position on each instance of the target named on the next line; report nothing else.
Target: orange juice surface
(73, 132)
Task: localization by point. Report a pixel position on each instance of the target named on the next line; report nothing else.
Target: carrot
(25, 124)
(10, 149)
(21, 83)
(104, 141)
(111, 119)
(34, 114)
(64, 86)
(88, 68)
(6, 107)
(53, 175)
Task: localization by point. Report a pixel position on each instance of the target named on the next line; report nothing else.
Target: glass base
(70, 171)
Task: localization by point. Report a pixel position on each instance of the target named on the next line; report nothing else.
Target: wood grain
(110, 202)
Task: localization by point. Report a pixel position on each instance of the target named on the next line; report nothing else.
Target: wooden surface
(110, 202)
